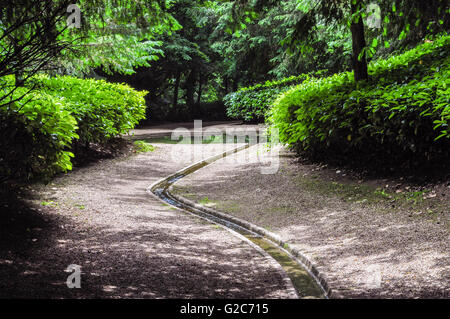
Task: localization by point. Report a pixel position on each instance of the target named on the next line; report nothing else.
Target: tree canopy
(191, 51)
(209, 58)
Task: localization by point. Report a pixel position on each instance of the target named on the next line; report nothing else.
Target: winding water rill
(305, 282)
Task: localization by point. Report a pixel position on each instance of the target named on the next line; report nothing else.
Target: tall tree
(118, 36)
(310, 16)
(358, 42)
(30, 37)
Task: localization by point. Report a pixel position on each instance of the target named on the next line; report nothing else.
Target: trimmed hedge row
(36, 135)
(103, 110)
(251, 103)
(38, 132)
(403, 111)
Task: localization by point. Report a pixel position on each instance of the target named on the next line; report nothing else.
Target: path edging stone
(304, 260)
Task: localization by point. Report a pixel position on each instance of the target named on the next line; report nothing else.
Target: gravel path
(367, 246)
(128, 244)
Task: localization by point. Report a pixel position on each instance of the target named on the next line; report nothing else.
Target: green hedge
(36, 136)
(103, 110)
(251, 104)
(401, 112)
(38, 133)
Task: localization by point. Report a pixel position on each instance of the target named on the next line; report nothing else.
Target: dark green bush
(251, 104)
(38, 133)
(35, 135)
(103, 110)
(402, 112)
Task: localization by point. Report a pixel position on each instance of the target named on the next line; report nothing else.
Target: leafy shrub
(251, 104)
(103, 110)
(36, 135)
(402, 112)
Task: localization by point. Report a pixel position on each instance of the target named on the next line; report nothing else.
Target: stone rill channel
(306, 284)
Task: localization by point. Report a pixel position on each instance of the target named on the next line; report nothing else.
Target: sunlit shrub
(251, 103)
(402, 111)
(103, 110)
(36, 136)
(39, 132)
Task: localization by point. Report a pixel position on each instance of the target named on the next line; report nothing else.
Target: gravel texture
(129, 244)
(367, 242)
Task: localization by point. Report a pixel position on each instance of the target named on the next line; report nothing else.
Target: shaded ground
(370, 238)
(128, 243)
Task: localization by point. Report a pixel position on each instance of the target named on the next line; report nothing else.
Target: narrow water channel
(306, 284)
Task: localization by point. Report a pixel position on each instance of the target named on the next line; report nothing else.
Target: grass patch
(219, 139)
(143, 147)
(80, 207)
(204, 201)
(229, 206)
(49, 203)
(365, 194)
(346, 192)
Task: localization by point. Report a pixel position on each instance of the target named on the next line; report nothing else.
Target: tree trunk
(18, 75)
(235, 84)
(199, 97)
(226, 85)
(175, 91)
(359, 43)
(176, 88)
(190, 90)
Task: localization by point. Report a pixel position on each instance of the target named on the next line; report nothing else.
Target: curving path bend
(129, 245)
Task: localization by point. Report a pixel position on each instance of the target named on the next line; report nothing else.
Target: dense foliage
(190, 54)
(36, 136)
(402, 112)
(40, 132)
(116, 36)
(30, 38)
(103, 110)
(251, 103)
